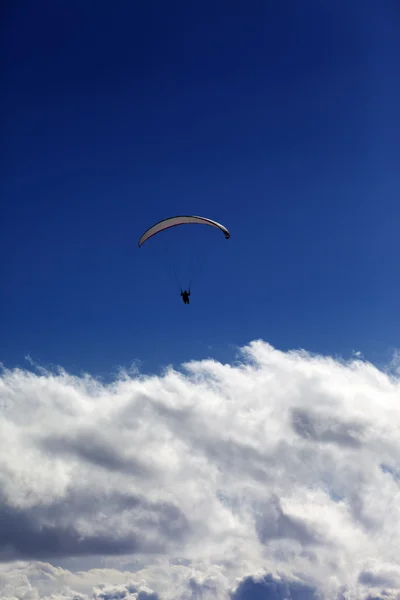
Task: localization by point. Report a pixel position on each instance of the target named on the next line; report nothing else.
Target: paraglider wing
(183, 220)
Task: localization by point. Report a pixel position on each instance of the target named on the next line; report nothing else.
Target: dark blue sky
(279, 119)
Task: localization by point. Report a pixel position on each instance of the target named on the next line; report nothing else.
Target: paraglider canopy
(181, 220)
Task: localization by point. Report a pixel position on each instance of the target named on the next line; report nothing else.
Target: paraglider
(181, 220)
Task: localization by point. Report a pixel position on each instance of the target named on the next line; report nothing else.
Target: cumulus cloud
(273, 477)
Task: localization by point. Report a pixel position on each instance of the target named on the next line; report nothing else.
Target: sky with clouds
(276, 476)
(155, 451)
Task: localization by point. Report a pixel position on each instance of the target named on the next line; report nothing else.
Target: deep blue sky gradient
(279, 119)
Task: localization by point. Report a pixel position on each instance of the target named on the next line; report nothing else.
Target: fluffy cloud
(274, 477)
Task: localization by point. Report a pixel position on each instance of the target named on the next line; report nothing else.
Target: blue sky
(279, 120)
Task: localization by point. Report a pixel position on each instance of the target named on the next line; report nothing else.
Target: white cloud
(279, 472)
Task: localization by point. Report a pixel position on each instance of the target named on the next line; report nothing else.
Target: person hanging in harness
(185, 296)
